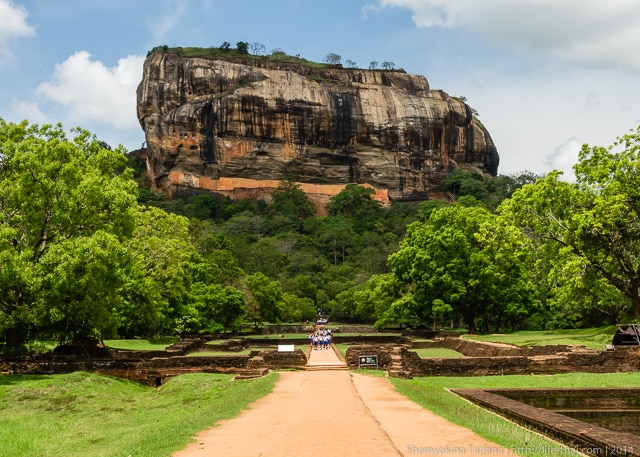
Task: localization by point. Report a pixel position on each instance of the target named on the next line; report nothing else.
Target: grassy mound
(83, 414)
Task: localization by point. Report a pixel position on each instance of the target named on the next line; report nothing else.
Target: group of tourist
(320, 339)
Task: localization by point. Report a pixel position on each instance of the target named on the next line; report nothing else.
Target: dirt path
(336, 413)
(325, 358)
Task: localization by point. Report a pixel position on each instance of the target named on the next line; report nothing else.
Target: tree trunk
(635, 301)
(470, 318)
(15, 337)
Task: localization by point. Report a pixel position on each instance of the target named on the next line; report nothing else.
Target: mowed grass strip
(593, 338)
(141, 345)
(82, 414)
(427, 353)
(432, 394)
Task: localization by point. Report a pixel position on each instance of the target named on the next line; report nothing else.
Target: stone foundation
(590, 439)
(481, 359)
(154, 371)
(542, 360)
(384, 354)
(521, 360)
(471, 348)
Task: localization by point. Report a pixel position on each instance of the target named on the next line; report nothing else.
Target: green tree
(164, 255)
(464, 258)
(246, 223)
(355, 202)
(203, 206)
(243, 47)
(332, 281)
(262, 256)
(296, 309)
(215, 263)
(426, 208)
(461, 182)
(54, 190)
(78, 286)
(441, 311)
(333, 58)
(502, 187)
(581, 297)
(597, 218)
(267, 298)
(218, 306)
(288, 198)
(338, 237)
(370, 301)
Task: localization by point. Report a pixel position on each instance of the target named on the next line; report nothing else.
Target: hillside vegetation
(86, 251)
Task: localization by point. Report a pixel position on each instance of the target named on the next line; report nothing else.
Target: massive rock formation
(240, 126)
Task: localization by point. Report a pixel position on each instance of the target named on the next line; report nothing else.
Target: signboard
(368, 361)
(286, 347)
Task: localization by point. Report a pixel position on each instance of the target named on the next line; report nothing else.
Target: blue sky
(545, 76)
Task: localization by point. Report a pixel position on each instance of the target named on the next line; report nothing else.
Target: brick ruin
(487, 359)
(395, 355)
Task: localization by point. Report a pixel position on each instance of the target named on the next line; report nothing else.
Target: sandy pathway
(325, 357)
(335, 413)
(415, 430)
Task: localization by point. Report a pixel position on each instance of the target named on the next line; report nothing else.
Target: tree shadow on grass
(14, 379)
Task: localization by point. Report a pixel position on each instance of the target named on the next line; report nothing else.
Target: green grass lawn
(82, 414)
(593, 338)
(159, 344)
(342, 347)
(276, 337)
(246, 351)
(426, 353)
(218, 353)
(432, 394)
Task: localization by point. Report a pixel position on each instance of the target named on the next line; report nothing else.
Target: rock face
(240, 126)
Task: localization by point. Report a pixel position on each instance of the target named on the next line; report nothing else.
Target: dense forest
(86, 250)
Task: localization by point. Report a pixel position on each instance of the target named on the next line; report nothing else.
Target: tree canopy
(595, 220)
(84, 252)
(65, 205)
(464, 261)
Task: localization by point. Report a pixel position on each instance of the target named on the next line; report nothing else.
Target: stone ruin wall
(543, 360)
(394, 355)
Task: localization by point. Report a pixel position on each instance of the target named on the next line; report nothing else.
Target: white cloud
(565, 157)
(30, 111)
(589, 32)
(88, 91)
(13, 25)
(532, 119)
